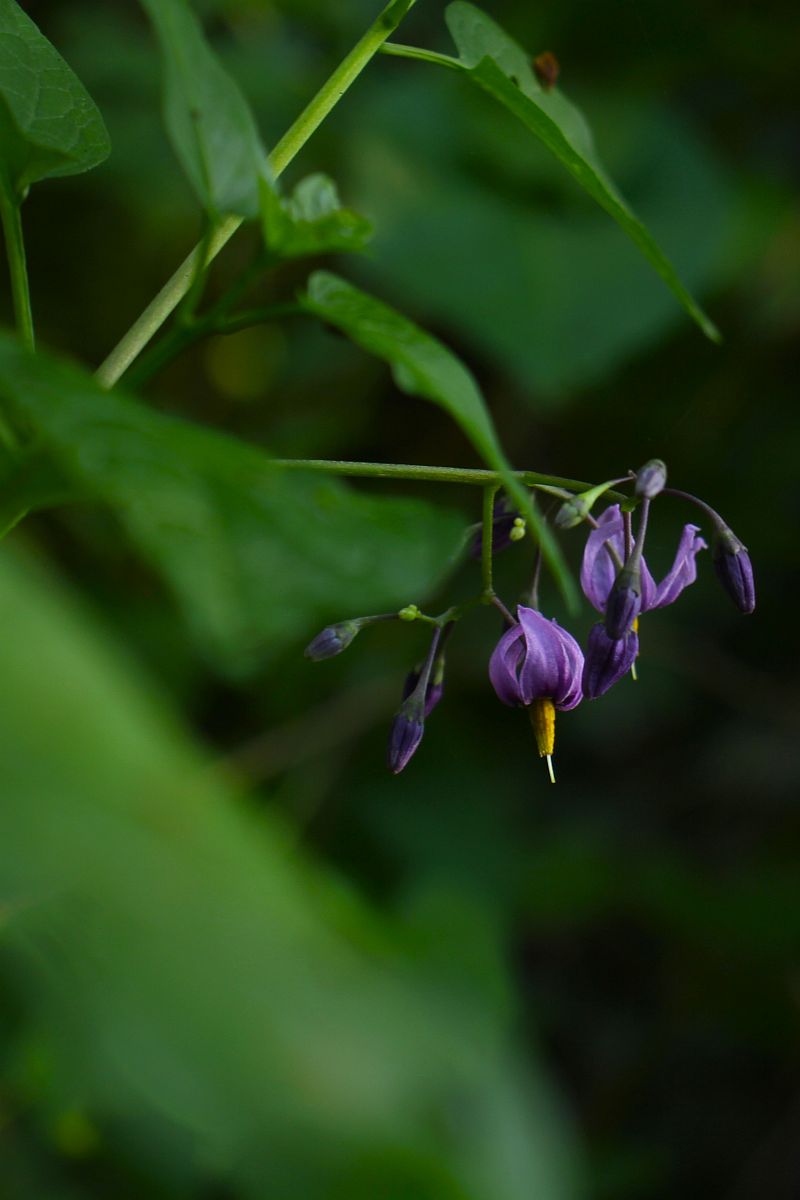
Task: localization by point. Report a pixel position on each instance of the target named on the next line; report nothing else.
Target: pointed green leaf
(256, 556)
(422, 366)
(49, 124)
(498, 65)
(311, 220)
(209, 122)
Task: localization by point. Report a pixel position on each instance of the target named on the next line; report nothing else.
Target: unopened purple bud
(404, 737)
(607, 660)
(332, 640)
(651, 479)
(734, 569)
(624, 603)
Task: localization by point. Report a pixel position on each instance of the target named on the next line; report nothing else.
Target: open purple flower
(538, 665)
(605, 553)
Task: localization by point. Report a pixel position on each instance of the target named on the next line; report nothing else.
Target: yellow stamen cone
(542, 714)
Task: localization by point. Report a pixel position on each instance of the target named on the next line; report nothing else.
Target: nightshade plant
(220, 520)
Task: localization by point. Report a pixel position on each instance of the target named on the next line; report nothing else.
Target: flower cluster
(537, 664)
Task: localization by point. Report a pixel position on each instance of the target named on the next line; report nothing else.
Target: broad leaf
(49, 124)
(498, 65)
(256, 555)
(311, 220)
(208, 119)
(422, 366)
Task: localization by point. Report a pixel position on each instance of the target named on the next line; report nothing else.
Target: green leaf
(498, 65)
(256, 556)
(212, 129)
(311, 220)
(49, 124)
(422, 366)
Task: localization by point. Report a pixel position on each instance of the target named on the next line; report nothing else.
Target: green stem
(287, 148)
(487, 541)
(396, 50)
(256, 316)
(15, 251)
(181, 337)
(468, 475)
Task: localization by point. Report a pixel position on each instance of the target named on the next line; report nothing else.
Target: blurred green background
(240, 959)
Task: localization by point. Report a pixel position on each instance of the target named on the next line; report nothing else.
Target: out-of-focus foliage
(255, 555)
(462, 981)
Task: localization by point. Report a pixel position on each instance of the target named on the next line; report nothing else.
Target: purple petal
(599, 568)
(553, 662)
(683, 570)
(607, 660)
(504, 666)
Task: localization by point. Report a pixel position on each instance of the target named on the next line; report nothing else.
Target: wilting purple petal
(607, 660)
(735, 572)
(404, 737)
(552, 662)
(600, 568)
(682, 572)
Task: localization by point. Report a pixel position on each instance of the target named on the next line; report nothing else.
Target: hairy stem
(17, 269)
(287, 148)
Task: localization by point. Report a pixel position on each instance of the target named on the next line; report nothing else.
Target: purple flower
(537, 660)
(538, 665)
(607, 660)
(602, 565)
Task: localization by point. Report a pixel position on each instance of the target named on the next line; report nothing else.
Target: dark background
(641, 920)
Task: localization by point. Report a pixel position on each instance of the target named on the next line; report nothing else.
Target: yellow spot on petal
(543, 723)
(635, 625)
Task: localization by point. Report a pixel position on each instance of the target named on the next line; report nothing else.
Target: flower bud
(332, 640)
(734, 569)
(404, 737)
(409, 613)
(572, 512)
(651, 479)
(624, 603)
(607, 660)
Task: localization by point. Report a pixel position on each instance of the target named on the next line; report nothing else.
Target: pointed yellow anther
(543, 723)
